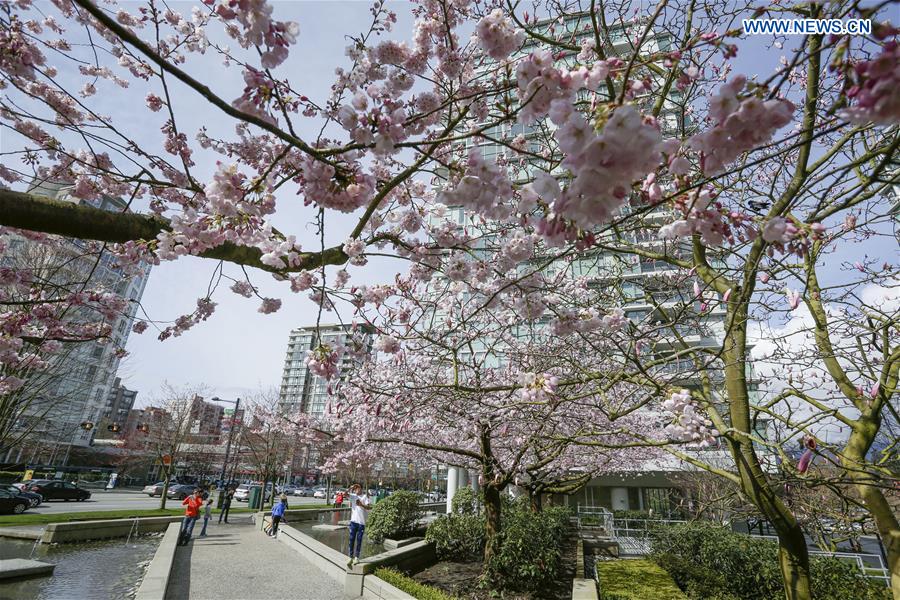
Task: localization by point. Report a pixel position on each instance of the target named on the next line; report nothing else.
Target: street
(125, 499)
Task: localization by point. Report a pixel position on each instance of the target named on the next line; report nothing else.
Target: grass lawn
(640, 579)
(39, 519)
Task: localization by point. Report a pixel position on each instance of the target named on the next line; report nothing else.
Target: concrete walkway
(236, 561)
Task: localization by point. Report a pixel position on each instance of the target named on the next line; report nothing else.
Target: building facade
(641, 287)
(304, 391)
(77, 387)
(119, 403)
(206, 422)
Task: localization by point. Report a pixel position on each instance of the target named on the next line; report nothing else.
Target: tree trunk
(886, 522)
(536, 501)
(165, 490)
(492, 525)
(793, 555)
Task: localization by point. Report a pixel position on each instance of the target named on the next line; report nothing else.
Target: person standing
(339, 499)
(226, 505)
(278, 514)
(207, 513)
(359, 504)
(191, 514)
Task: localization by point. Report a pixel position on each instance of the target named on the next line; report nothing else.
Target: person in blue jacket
(277, 515)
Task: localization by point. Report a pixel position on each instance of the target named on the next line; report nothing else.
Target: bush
(465, 502)
(530, 554)
(530, 544)
(411, 586)
(635, 580)
(457, 537)
(394, 517)
(709, 561)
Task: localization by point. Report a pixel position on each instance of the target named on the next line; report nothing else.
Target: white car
(319, 493)
(242, 493)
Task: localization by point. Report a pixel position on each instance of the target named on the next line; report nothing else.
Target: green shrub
(394, 517)
(457, 537)
(465, 502)
(530, 554)
(411, 586)
(635, 580)
(709, 561)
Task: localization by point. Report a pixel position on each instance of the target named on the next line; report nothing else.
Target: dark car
(180, 492)
(34, 500)
(12, 503)
(54, 489)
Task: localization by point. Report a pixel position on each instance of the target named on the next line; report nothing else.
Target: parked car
(289, 490)
(242, 493)
(303, 491)
(12, 503)
(34, 500)
(154, 489)
(319, 493)
(54, 489)
(180, 492)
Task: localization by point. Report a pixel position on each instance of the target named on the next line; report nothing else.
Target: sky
(240, 350)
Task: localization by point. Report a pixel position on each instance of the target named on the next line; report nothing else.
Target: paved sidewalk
(236, 561)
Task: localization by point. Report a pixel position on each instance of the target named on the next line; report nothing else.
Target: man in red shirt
(191, 514)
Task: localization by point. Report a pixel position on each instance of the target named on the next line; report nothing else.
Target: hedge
(635, 580)
(396, 517)
(411, 586)
(710, 561)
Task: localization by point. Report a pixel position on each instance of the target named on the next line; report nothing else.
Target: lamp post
(237, 406)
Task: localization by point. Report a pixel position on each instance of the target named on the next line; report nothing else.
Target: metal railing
(866, 563)
(595, 517)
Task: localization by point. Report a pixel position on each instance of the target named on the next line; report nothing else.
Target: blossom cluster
(323, 360)
(538, 387)
(497, 35)
(688, 425)
(604, 165)
(877, 93)
(739, 125)
(485, 189)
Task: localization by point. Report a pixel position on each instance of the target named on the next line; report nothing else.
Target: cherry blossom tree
(624, 132)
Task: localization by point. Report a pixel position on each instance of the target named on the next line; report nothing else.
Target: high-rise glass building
(76, 387)
(301, 389)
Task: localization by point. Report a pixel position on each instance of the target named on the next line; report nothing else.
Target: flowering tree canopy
(526, 161)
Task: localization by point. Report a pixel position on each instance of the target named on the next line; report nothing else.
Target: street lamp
(237, 406)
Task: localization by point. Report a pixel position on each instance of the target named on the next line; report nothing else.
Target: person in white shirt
(359, 504)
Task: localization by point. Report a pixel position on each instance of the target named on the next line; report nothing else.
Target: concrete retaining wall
(156, 579)
(78, 531)
(323, 557)
(375, 588)
(584, 589)
(412, 557)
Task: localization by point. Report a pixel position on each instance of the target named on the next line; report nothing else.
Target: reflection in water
(88, 570)
(336, 539)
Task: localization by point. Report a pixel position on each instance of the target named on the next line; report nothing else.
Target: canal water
(98, 570)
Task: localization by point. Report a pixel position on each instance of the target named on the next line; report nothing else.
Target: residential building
(76, 389)
(639, 286)
(119, 402)
(301, 389)
(206, 422)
